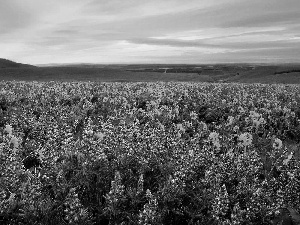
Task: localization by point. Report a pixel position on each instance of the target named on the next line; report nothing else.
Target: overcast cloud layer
(150, 31)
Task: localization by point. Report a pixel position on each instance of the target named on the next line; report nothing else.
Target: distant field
(244, 73)
(95, 74)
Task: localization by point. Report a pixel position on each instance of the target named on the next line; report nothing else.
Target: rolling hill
(5, 63)
(241, 73)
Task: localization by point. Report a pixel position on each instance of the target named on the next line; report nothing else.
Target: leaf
(295, 216)
(287, 216)
(275, 172)
(41, 154)
(285, 161)
(115, 122)
(282, 218)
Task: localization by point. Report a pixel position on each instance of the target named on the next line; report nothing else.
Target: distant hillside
(93, 74)
(241, 73)
(284, 74)
(5, 63)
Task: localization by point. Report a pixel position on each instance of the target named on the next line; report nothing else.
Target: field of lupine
(149, 153)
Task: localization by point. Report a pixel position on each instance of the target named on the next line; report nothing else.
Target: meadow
(149, 153)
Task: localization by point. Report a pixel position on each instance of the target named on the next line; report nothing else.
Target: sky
(150, 31)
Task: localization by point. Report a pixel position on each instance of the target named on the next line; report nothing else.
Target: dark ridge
(5, 63)
(288, 71)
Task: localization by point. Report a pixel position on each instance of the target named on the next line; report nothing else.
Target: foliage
(149, 153)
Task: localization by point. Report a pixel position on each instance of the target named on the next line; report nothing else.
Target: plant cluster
(149, 153)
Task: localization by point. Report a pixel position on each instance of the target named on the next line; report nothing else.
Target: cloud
(234, 39)
(34, 31)
(268, 18)
(142, 8)
(13, 17)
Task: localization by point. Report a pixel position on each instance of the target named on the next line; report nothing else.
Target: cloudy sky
(150, 31)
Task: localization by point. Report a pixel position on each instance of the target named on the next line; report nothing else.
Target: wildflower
(149, 215)
(176, 111)
(217, 145)
(293, 114)
(213, 137)
(241, 110)
(99, 135)
(235, 128)
(14, 142)
(247, 120)
(203, 126)
(179, 126)
(277, 143)
(116, 191)
(254, 115)
(220, 203)
(256, 123)
(140, 187)
(11, 199)
(89, 132)
(148, 194)
(245, 139)
(74, 209)
(262, 120)
(8, 129)
(285, 161)
(162, 126)
(179, 134)
(291, 175)
(193, 115)
(191, 152)
(230, 120)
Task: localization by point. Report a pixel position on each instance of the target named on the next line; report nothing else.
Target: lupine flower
(291, 175)
(277, 143)
(89, 132)
(213, 137)
(245, 139)
(230, 120)
(262, 120)
(241, 110)
(8, 129)
(286, 161)
(14, 141)
(149, 214)
(116, 190)
(235, 128)
(203, 126)
(180, 127)
(193, 115)
(99, 135)
(140, 186)
(247, 120)
(176, 111)
(74, 211)
(256, 123)
(254, 115)
(220, 204)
